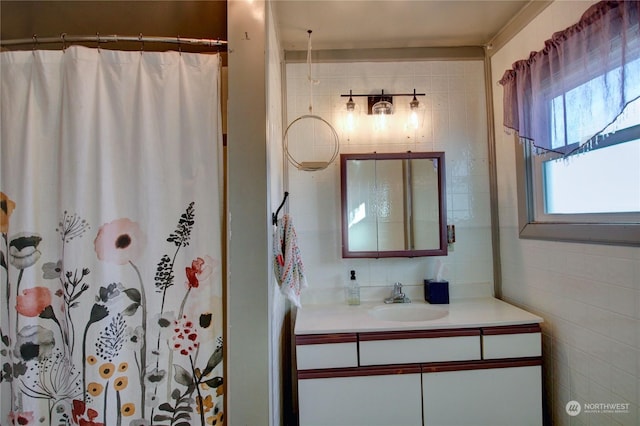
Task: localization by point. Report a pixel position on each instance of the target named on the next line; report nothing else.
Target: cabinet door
(361, 400)
(493, 396)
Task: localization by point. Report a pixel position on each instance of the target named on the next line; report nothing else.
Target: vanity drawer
(419, 346)
(326, 351)
(511, 341)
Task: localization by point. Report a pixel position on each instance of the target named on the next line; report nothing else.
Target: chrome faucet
(397, 296)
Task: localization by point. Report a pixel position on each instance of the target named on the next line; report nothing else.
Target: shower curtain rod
(64, 38)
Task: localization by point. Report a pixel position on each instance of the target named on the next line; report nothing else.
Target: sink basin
(407, 312)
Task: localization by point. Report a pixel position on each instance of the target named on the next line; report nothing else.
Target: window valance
(563, 97)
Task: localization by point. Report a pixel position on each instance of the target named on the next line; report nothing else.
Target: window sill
(590, 233)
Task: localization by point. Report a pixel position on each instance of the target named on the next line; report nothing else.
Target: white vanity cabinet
(467, 376)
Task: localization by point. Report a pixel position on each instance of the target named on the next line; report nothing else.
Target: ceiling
(335, 24)
(362, 24)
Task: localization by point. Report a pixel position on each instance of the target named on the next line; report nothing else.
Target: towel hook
(274, 216)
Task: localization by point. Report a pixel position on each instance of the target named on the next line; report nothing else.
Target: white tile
(621, 271)
(456, 67)
(624, 357)
(626, 419)
(624, 301)
(439, 68)
(624, 385)
(457, 83)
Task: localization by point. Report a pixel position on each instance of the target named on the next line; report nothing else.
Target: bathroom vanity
(474, 362)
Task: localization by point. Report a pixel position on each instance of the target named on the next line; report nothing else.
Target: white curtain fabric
(111, 294)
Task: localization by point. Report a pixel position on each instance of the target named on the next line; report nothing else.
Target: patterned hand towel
(287, 262)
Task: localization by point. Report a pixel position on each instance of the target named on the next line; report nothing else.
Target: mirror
(393, 205)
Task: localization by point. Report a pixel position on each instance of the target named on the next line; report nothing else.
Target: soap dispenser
(353, 290)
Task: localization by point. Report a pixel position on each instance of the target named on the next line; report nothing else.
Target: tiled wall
(588, 295)
(455, 122)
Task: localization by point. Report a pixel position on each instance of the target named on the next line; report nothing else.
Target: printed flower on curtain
(55, 379)
(133, 337)
(33, 301)
(217, 419)
(25, 418)
(51, 270)
(160, 325)
(120, 241)
(204, 405)
(6, 208)
(110, 292)
(34, 341)
(200, 270)
(71, 226)
(23, 249)
(185, 336)
(84, 416)
(154, 378)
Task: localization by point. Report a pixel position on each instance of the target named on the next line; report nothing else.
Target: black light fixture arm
(382, 94)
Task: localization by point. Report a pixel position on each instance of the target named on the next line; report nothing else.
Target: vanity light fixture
(382, 106)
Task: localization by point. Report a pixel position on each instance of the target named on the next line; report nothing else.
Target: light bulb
(351, 115)
(381, 110)
(414, 121)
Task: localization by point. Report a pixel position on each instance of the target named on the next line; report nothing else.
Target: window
(598, 185)
(575, 106)
(591, 196)
(601, 181)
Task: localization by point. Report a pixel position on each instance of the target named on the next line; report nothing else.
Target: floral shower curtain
(110, 248)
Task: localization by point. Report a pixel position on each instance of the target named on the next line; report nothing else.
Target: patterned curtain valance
(570, 92)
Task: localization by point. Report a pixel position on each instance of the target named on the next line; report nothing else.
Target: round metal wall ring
(312, 165)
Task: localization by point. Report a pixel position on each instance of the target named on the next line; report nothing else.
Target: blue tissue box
(436, 292)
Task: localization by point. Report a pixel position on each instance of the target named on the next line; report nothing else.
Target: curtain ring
(98, 40)
(179, 45)
(35, 41)
(141, 42)
(64, 41)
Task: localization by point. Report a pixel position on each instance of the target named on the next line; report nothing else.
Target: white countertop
(342, 318)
